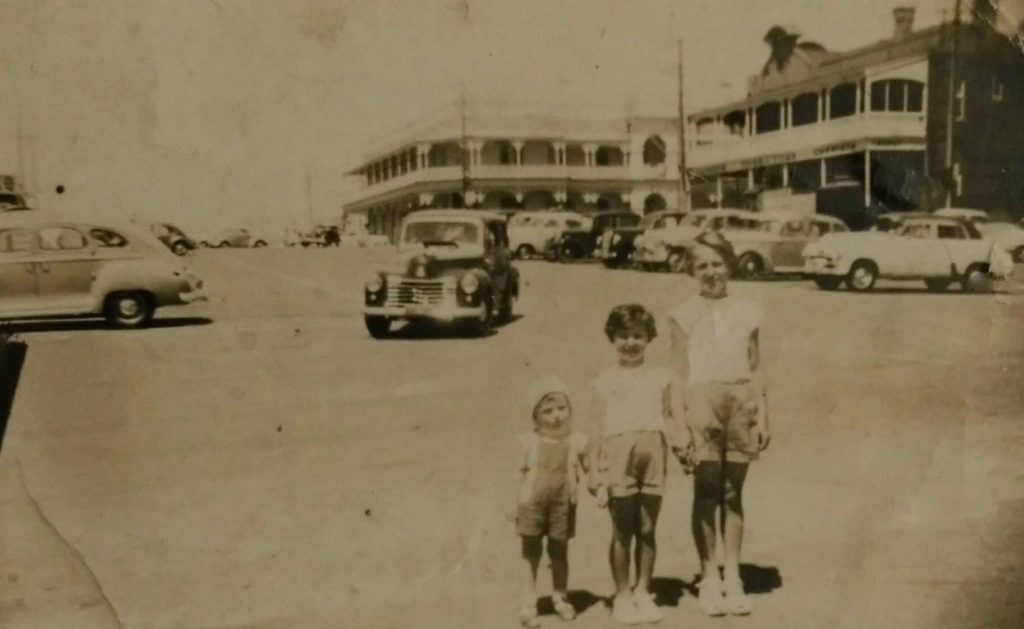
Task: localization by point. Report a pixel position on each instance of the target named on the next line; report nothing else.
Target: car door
(19, 291)
(961, 250)
(921, 253)
(787, 252)
(66, 268)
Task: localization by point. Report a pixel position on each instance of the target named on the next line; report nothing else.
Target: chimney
(903, 17)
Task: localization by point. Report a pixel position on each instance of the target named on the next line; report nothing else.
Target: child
(630, 457)
(552, 462)
(716, 349)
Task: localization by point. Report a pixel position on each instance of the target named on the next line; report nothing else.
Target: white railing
(437, 173)
(792, 140)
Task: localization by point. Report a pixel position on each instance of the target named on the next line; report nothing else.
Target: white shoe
(711, 598)
(624, 610)
(647, 610)
(737, 602)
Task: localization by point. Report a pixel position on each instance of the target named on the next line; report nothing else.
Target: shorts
(634, 463)
(554, 518)
(721, 417)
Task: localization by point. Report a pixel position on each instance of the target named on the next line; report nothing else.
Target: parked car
(616, 246)
(975, 217)
(574, 243)
(236, 237)
(529, 232)
(938, 250)
(173, 237)
(452, 266)
(56, 267)
(777, 246)
(1007, 236)
(669, 248)
(893, 221)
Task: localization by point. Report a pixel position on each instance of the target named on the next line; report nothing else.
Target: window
(919, 230)
(571, 224)
(15, 241)
(959, 102)
(61, 239)
(794, 228)
(951, 232)
(997, 90)
(107, 238)
(897, 95)
(654, 151)
(842, 100)
(768, 117)
(805, 109)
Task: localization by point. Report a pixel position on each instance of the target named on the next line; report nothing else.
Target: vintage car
(776, 247)
(669, 248)
(938, 250)
(173, 237)
(1007, 236)
(234, 237)
(893, 221)
(975, 217)
(529, 232)
(452, 266)
(616, 246)
(578, 243)
(52, 266)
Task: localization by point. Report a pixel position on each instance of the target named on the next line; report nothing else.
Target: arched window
(654, 202)
(654, 151)
(768, 117)
(897, 95)
(842, 100)
(805, 109)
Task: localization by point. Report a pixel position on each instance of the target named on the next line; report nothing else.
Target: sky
(214, 113)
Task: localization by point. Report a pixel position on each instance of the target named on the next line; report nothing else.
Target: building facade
(503, 156)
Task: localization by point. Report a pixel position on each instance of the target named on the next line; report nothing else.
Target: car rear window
(15, 241)
(108, 238)
(61, 239)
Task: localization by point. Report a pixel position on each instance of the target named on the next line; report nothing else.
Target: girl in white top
(716, 351)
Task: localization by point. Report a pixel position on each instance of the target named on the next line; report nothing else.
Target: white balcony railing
(727, 150)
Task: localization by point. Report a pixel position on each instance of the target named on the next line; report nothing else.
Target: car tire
(750, 266)
(566, 253)
(378, 327)
(975, 279)
(179, 248)
(937, 284)
(132, 309)
(678, 261)
(862, 276)
(260, 243)
(525, 252)
(1018, 255)
(828, 282)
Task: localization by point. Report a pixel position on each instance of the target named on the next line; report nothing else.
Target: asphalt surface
(260, 462)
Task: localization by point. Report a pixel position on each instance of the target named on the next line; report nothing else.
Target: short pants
(554, 518)
(634, 463)
(722, 417)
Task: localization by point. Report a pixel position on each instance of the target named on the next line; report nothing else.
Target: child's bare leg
(735, 475)
(707, 480)
(624, 518)
(647, 548)
(558, 552)
(532, 549)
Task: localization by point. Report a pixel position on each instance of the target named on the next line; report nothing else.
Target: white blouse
(633, 398)
(718, 337)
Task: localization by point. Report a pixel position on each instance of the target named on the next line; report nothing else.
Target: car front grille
(419, 292)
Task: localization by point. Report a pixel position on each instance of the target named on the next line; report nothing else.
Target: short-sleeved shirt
(633, 398)
(718, 337)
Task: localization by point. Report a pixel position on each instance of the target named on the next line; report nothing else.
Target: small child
(552, 463)
(629, 473)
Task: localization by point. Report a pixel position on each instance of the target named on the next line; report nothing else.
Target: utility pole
(684, 178)
(951, 104)
(464, 146)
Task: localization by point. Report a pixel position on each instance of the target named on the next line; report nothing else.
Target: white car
(777, 247)
(669, 247)
(530, 232)
(938, 250)
(1006, 236)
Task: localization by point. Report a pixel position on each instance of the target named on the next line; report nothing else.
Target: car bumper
(438, 312)
(821, 266)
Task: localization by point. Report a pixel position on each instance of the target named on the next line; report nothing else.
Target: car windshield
(771, 227)
(441, 233)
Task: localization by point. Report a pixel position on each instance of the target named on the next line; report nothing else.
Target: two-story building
(518, 156)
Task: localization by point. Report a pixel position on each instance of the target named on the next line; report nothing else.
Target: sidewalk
(45, 582)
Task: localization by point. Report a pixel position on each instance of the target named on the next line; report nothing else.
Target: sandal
(563, 607)
(737, 602)
(528, 616)
(711, 598)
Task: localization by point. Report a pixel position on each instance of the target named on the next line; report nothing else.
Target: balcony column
(867, 96)
(750, 179)
(787, 113)
(589, 150)
(559, 153)
(475, 147)
(828, 105)
(785, 175)
(625, 154)
(857, 109)
(423, 153)
(518, 146)
(824, 172)
(750, 122)
(718, 191)
(867, 177)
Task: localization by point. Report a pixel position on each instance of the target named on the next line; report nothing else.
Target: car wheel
(975, 279)
(677, 261)
(828, 282)
(937, 284)
(566, 252)
(179, 248)
(862, 275)
(750, 266)
(378, 327)
(260, 243)
(1018, 255)
(129, 309)
(204, 244)
(482, 326)
(224, 244)
(525, 252)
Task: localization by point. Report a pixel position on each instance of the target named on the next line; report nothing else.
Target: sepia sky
(225, 112)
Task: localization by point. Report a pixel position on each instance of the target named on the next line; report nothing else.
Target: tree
(784, 44)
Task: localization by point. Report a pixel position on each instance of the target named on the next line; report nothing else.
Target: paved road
(277, 468)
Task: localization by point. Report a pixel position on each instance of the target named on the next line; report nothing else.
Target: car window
(571, 224)
(951, 232)
(15, 241)
(520, 221)
(794, 228)
(108, 238)
(551, 222)
(920, 230)
(61, 239)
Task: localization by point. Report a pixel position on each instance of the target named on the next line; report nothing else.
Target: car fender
(156, 277)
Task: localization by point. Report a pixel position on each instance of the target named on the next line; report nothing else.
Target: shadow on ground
(756, 580)
(423, 330)
(75, 325)
(581, 600)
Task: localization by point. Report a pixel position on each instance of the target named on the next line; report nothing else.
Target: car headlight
(469, 283)
(374, 284)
